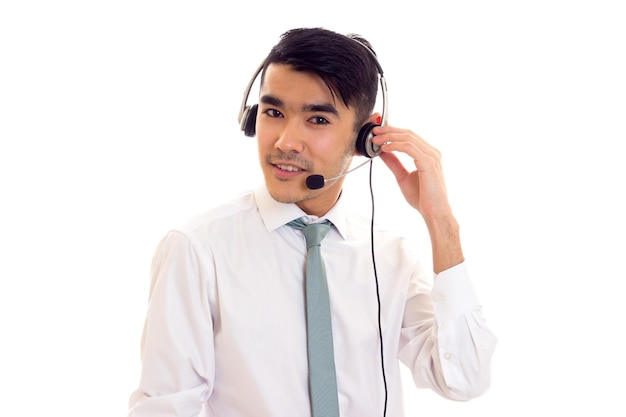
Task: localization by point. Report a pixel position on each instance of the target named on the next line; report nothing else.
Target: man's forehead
(281, 83)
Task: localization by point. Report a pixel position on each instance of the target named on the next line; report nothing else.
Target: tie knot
(314, 233)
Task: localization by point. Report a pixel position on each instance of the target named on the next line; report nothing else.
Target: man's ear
(375, 118)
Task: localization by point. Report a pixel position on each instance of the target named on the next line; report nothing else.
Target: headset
(364, 145)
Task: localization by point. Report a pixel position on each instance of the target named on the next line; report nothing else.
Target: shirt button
(447, 356)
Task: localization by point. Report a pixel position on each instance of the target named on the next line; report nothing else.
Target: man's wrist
(446, 243)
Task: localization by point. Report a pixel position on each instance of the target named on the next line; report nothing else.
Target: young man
(226, 329)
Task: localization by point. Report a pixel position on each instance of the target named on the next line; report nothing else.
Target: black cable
(380, 328)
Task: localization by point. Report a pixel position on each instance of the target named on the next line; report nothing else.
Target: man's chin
(284, 193)
(289, 192)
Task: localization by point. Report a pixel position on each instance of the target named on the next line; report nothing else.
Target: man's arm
(425, 190)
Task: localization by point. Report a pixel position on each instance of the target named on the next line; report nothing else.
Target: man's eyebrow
(322, 108)
(311, 108)
(271, 100)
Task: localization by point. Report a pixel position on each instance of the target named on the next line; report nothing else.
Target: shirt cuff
(453, 293)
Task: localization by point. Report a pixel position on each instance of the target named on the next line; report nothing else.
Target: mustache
(289, 157)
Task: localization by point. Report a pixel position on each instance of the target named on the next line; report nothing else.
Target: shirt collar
(275, 214)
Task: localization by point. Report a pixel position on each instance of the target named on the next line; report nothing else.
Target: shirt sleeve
(445, 340)
(177, 342)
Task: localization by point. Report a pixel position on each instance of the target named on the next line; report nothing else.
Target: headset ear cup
(248, 120)
(364, 143)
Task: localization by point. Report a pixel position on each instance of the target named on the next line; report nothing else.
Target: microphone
(315, 182)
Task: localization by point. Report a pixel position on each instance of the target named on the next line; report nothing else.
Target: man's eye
(273, 113)
(319, 120)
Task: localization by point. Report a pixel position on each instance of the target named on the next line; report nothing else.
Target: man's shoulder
(221, 216)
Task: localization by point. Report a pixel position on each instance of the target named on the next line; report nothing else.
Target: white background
(118, 121)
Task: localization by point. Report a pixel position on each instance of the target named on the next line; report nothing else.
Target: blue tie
(322, 378)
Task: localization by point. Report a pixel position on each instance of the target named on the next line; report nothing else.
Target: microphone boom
(316, 181)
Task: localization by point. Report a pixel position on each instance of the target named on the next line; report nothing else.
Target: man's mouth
(289, 168)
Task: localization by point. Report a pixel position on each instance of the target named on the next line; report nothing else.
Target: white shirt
(225, 331)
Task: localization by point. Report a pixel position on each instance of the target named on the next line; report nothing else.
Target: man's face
(302, 130)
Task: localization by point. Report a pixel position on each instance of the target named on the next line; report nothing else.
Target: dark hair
(346, 63)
